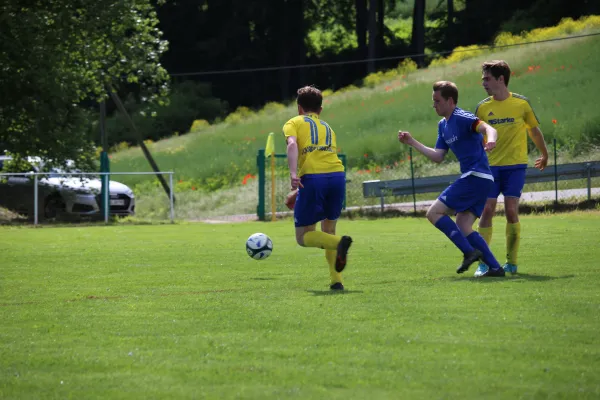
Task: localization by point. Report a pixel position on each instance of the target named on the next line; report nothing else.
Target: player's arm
(490, 133)
(537, 137)
(292, 156)
(533, 129)
(434, 154)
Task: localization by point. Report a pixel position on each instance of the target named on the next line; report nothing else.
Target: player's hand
(295, 183)
(405, 137)
(541, 162)
(290, 199)
(489, 146)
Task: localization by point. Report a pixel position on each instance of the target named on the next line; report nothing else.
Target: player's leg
(465, 221)
(309, 210)
(485, 222)
(328, 226)
(334, 192)
(437, 214)
(303, 230)
(515, 181)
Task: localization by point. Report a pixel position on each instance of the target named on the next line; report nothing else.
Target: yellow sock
(333, 274)
(321, 240)
(486, 234)
(513, 239)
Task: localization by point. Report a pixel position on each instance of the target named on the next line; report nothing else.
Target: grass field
(180, 311)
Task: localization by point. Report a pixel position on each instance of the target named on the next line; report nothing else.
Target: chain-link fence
(57, 196)
(566, 181)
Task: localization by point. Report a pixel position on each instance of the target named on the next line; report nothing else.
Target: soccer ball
(259, 246)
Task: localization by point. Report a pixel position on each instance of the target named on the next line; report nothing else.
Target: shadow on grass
(508, 277)
(563, 206)
(333, 292)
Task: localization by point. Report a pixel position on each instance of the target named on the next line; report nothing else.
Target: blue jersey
(459, 134)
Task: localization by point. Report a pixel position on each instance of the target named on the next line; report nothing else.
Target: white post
(106, 203)
(171, 196)
(35, 200)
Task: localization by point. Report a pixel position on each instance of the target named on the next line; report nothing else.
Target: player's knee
(512, 216)
(432, 215)
(300, 240)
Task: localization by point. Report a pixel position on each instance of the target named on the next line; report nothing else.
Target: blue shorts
(467, 194)
(508, 180)
(322, 197)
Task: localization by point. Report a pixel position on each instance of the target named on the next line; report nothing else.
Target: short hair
(310, 98)
(497, 68)
(447, 89)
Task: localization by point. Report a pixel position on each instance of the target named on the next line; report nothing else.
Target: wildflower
(554, 121)
(193, 187)
(366, 155)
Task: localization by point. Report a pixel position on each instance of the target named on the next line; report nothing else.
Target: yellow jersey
(317, 146)
(511, 118)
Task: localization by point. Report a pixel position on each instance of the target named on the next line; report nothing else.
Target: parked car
(62, 195)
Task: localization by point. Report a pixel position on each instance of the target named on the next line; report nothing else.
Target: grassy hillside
(559, 79)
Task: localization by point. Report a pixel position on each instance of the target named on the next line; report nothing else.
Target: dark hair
(310, 98)
(447, 89)
(497, 68)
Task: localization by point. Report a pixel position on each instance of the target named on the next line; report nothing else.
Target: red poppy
(554, 121)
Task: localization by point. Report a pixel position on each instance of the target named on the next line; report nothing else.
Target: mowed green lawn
(180, 311)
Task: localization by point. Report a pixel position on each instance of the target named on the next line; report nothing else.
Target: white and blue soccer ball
(259, 246)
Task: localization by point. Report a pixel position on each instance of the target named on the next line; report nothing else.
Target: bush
(566, 27)
(188, 102)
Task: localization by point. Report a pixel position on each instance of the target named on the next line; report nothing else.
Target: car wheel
(54, 206)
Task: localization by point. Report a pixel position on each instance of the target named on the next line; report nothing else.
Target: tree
(57, 56)
(418, 31)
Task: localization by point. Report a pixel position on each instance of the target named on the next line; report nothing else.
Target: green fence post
(260, 163)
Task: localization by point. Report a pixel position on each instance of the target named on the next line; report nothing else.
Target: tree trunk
(372, 34)
(361, 30)
(380, 27)
(418, 31)
(451, 33)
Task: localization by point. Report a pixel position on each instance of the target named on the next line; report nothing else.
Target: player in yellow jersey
(512, 116)
(318, 174)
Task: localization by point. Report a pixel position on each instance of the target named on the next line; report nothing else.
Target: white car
(62, 195)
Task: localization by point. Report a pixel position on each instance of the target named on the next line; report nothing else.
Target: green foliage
(199, 124)
(332, 39)
(187, 102)
(56, 54)
(566, 27)
(405, 67)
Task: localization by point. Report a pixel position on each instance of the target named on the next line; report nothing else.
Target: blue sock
(479, 243)
(450, 229)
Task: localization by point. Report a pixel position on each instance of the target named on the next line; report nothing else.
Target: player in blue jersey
(318, 175)
(461, 132)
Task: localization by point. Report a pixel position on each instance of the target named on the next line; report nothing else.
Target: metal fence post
(106, 201)
(588, 167)
(35, 199)
(171, 196)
